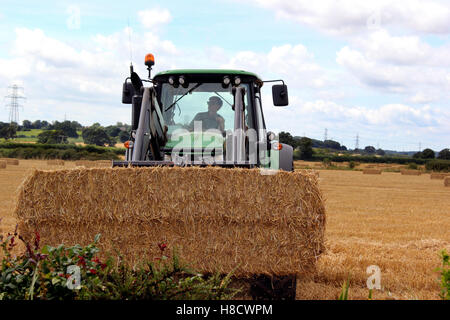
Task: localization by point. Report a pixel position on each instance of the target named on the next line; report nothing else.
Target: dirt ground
(398, 223)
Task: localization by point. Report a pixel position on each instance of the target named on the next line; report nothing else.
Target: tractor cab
(200, 116)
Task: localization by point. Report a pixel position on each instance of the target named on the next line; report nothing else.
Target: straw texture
(2, 164)
(94, 164)
(11, 161)
(219, 219)
(447, 182)
(439, 176)
(411, 172)
(55, 162)
(371, 171)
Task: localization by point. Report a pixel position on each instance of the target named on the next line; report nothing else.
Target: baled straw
(2, 164)
(94, 164)
(371, 171)
(219, 219)
(411, 172)
(439, 176)
(55, 162)
(11, 161)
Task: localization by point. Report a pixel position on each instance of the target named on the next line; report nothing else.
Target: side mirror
(127, 92)
(280, 95)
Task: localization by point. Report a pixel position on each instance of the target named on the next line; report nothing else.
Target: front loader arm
(151, 133)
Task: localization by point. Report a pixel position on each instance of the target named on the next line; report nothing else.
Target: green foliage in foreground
(77, 273)
(445, 276)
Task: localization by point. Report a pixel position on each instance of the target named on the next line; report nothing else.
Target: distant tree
(97, 135)
(370, 150)
(113, 131)
(76, 125)
(306, 150)
(37, 124)
(27, 124)
(52, 137)
(45, 125)
(287, 138)
(381, 152)
(332, 144)
(428, 154)
(69, 128)
(124, 136)
(444, 154)
(8, 131)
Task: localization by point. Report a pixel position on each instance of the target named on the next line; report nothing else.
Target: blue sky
(380, 70)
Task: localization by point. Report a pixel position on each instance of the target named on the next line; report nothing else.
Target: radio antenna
(131, 49)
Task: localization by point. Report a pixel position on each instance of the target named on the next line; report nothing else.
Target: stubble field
(398, 223)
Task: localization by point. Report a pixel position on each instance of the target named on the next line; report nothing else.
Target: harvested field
(2, 164)
(11, 161)
(399, 223)
(411, 172)
(439, 176)
(371, 171)
(447, 182)
(55, 162)
(240, 220)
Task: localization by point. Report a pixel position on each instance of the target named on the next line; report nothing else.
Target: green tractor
(202, 117)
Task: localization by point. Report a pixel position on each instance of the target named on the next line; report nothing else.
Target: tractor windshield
(199, 107)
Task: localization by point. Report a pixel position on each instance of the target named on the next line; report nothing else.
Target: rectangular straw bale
(11, 161)
(2, 164)
(55, 162)
(439, 176)
(447, 182)
(411, 172)
(371, 171)
(219, 219)
(93, 164)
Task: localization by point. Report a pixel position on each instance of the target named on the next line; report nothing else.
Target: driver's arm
(221, 121)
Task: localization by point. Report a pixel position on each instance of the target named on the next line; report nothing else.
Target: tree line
(59, 132)
(304, 147)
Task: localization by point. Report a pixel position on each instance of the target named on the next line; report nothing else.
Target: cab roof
(208, 71)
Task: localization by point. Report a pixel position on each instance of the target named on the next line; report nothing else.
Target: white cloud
(351, 16)
(292, 62)
(154, 17)
(82, 81)
(399, 64)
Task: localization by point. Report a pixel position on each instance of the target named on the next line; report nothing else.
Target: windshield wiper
(189, 91)
(223, 99)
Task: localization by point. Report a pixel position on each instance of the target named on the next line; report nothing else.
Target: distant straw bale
(411, 172)
(94, 164)
(11, 161)
(55, 162)
(439, 176)
(2, 164)
(371, 171)
(447, 182)
(219, 219)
